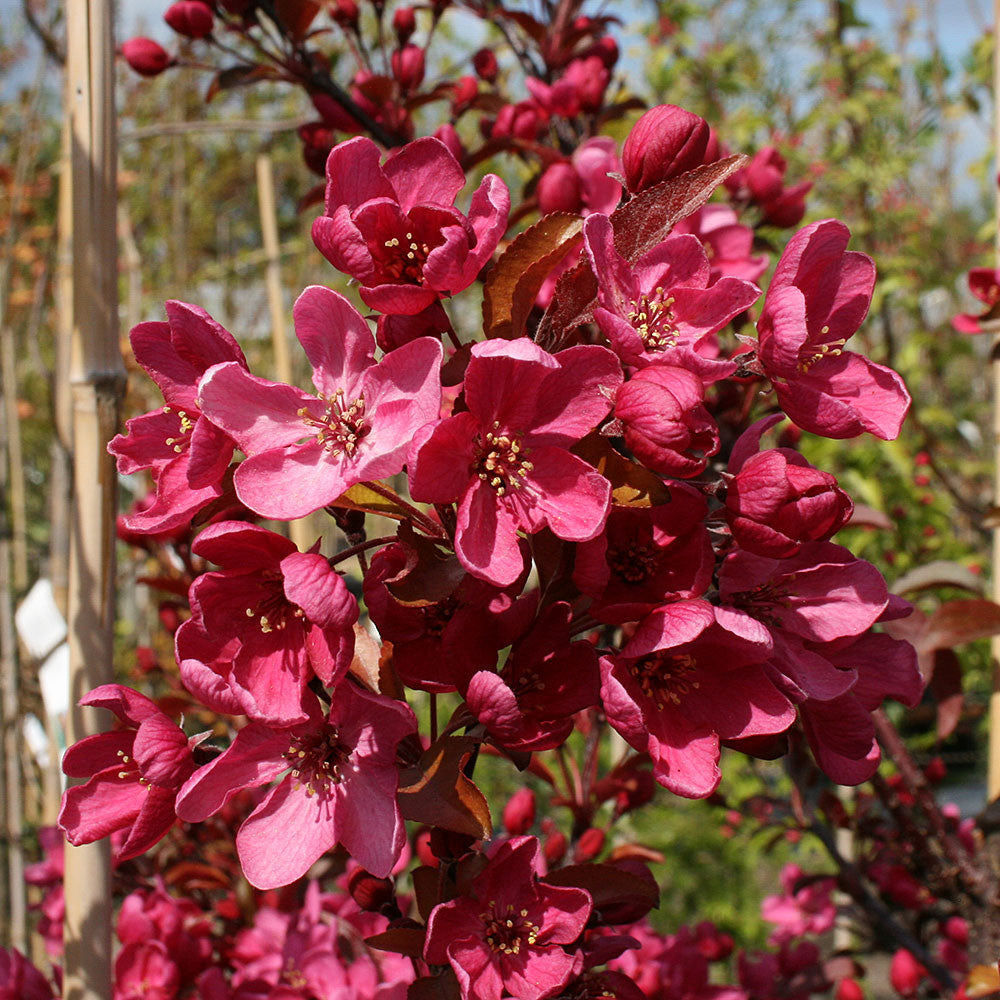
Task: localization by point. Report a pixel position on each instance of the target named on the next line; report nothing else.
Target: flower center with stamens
(508, 930)
(342, 426)
(318, 760)
(501, 460)
(633, 562)
(407, 256)
(765, 600)
(273, 609)
(437, 616)
(665, 677)
(821, 351)
(653, 317)
(130, 768)
(183, 439)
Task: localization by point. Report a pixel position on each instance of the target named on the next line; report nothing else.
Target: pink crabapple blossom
(188, 456)
(135, 773)
(304, 451)
(509, 932)
(338, 785)
(264, 624)
(506, 460)
(393, 225)
(664, 307)
(816, 301)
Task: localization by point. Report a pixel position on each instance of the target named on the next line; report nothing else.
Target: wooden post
(993, 770)
(97, 382)
(298, 530)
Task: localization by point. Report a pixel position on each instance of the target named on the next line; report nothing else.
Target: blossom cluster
(592, 533)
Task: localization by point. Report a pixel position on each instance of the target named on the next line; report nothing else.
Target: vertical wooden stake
(298, 530)
(993, 769)
(97, 382)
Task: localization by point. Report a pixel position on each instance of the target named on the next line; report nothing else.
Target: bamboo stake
(97, 382)
(298, 530)
(13, 792)
(993, 771)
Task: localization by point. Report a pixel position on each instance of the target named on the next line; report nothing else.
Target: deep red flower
(191, 18)
(647, 556)
(264, 624)
(664, 308)
(505, 458)
(665, 422)
(545, 680)
(188, 456)
(508, 933)
(394, 227)
(664, 142)
(146, 57)
(690, 676)
(816, 301)
(776, 500)
(135, 773)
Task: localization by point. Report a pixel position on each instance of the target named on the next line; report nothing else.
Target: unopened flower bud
(145, 56)
(848, 989)
(664, 142)
(590, 844)
(555, 847)
(484, 62)
(559, 190)
(368, 891)
(404, 23)
(905, 973)
(408, 66)
(519, 813)
(190, 18)
(345, 13)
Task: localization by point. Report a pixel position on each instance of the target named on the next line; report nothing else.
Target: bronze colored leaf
(514, 281)
(435, 791)
(619, 896)
(639, 225)
(632, 485)
(404, 940)
(443, 986)
(361, 497)
(429, 577)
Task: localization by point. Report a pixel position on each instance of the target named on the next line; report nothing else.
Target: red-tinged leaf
(406, 940)
(945, 686)
(237, 76)
(430, 887)
(632, 485)
(983, 981)
(636, 852)
(532, 28)
(868, 517)
(372, 664)
(514, 281)
(171, 584)
(361, 497)
(430, 576)
(957, 622)
(192, 875)
(435, 791)
(443, 986)
(939, 573)
(615, 892)
(314, 196)
(640, 224)
(296, 16)
(646, 220)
